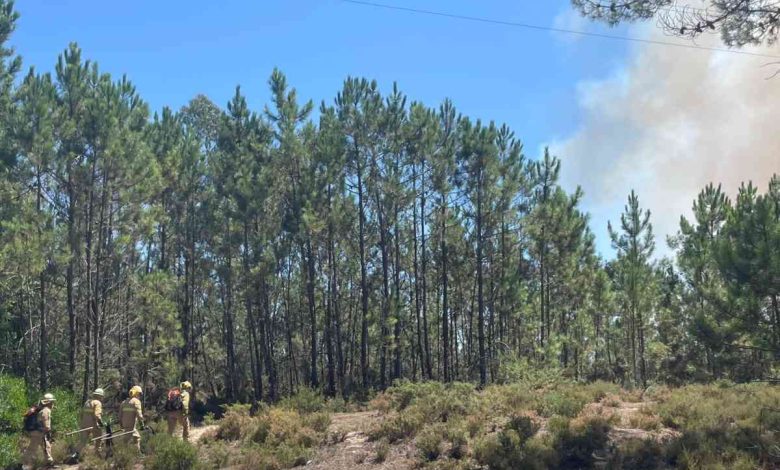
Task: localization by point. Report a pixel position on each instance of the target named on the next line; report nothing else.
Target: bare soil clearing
(348, 445)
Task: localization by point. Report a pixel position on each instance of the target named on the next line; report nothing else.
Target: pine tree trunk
(397, 367)
(445, 307)
(309, 256)
(417, 306)
(363, 280)
(424, 293)
(480, 296)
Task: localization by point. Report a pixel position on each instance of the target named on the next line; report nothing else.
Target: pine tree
(634, 245)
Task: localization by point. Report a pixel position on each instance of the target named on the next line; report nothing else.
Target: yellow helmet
(186, 385)
(135, 390)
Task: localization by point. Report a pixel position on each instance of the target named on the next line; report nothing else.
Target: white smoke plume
(668, 123)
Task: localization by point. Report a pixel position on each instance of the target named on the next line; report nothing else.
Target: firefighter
(130, 415)
(92, 417)
(179, 412)
(41, 436)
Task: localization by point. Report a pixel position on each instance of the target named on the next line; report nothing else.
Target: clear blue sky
(175, 49)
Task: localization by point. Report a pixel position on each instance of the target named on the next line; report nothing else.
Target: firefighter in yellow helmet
(40, 434)
(178, 407)
(92, 419)
(131, 415)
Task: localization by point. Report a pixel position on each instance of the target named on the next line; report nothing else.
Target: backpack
(30, 422)
(174, 401)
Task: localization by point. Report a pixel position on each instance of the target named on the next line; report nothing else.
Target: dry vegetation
(552, 425)
(597, 425)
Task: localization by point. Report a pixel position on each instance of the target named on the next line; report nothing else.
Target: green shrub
(639, 454)
(456, 435)
(261, 431)
(560, 403)
(576, 444)
(214, 456)
(382, 451)
(290, 456)
(169, 453)
(257, 458)
(429, 442)
(523, 425)
(9, 449)
(318, 421)
(305, 401)
(723, 425)
(506, 451)
(209, 419)
(13, 405)
(123, 457)
(397, 427)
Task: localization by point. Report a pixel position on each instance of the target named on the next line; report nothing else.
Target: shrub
(261, 431)
(505, 451)
(209, 419)
(234, 425)
(474, 424)
(283, 425)
(214, 456)
(290, 456)
(723, 425)
(560, 403)
(382, 451)
(576, 444)
(639, 454)
(169, 453)
(123, 457)
(12, 406)
(382, 403)
(9, 450)
(429, 442)
(643, 420)
(397, 427)
(305, 401)
(256, 458)
(523, 425)
(458, 442)
(318, 421)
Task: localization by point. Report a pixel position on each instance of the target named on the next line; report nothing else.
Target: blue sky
(173, 50)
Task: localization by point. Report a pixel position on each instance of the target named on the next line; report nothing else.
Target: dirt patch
(348, 446)
(196, 433)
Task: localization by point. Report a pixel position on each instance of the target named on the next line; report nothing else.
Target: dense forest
(257, 252)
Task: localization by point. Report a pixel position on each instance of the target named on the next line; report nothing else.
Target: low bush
(290, 456)
(214, 456)
(318, 421)
(576, 443)
(398, 426)
(724, 425)
(9, 449)
(305, 401)
(644, 420)
(430, 441)
(169, 453)
(257, 458)
(382, 451)
(638, 454)
(234, 425)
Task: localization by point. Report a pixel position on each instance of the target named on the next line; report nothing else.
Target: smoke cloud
(667, 124)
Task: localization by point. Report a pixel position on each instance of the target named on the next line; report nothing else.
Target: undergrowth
(563, 424)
